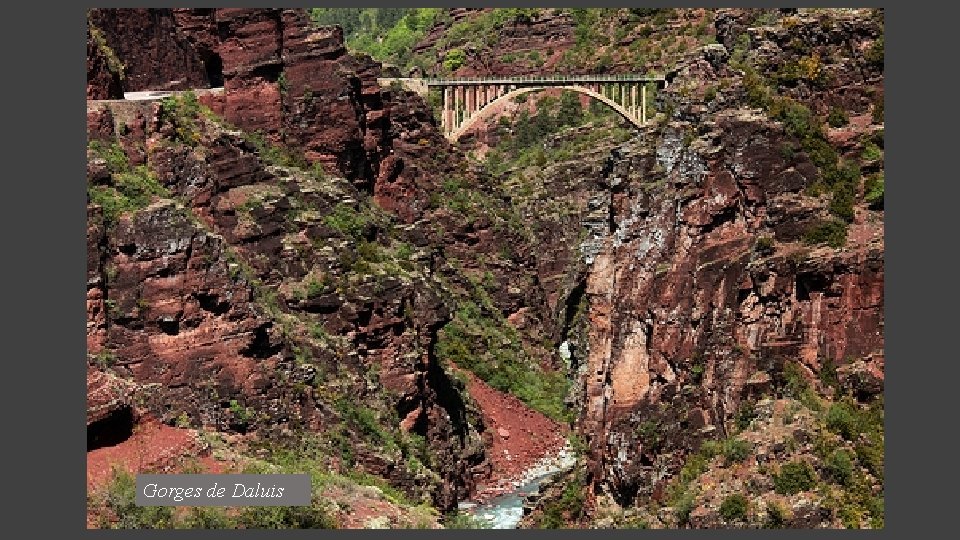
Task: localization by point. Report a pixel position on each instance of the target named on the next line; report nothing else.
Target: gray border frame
(49, 289)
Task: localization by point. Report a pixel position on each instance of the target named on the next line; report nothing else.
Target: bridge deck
(548, 80)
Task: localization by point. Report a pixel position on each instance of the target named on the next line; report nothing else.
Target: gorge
(291, 267)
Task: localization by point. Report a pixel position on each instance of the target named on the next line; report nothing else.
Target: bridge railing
(545, 79)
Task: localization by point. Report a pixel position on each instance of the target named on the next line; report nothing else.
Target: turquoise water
(505, 511)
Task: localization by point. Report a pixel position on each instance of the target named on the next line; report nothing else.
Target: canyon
(300, 271)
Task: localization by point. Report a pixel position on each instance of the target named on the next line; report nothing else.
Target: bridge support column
(633, 100)
(458, 105)
(447, 110)
(643, 104)
(470, 90)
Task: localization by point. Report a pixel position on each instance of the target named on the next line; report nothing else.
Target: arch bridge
(467, 101)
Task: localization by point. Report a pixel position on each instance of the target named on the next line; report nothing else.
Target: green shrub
(871, 152)
(734, 507)
(182, 111)
(874, 54)
(794, 477)
(120, 500)
(776, 516)
(348, 220)
(873, 191)
(114, 65)
(363, 419)
(113, 154)
(649, 434)
(285, 517)
(200, 517)
(838, 467)
(242, 414)
(454, 59)
(569, 506)
(843, 418)
(736, 450)
(841, 203)
(462, 520)
(837, 117)
(131, 190)
(315, 287)
(828, 373)
(274, 154)
(105, 359)
(764, 245)
(696, 373)
(710, 94)
(831, 232)
(876, 115)
(684, 506)
(746, 414)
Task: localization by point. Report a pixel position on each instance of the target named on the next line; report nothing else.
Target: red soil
(517, 436)
(153, 447)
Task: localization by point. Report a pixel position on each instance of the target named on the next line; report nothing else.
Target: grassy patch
(282, 156)
(569, 507)
(349, 221)
(182, 111)
(120, 499)
(481, 340)
(832, 232)
(131, 188)
(462, 520)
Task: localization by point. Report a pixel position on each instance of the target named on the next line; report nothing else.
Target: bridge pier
(643, 103)
(447, 120)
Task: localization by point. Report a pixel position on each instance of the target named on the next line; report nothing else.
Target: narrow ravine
(525, 448)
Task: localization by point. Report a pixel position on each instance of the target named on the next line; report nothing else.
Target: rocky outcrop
(190, 299)
(103, 70)
(106, 394)
(800, 49)
(684, 312)
(523, 45)
(174, 314)
(295, 84)
(154, 53)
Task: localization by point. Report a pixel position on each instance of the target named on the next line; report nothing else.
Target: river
(505, 511)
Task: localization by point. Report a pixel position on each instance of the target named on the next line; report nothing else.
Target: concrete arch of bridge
(485, 111)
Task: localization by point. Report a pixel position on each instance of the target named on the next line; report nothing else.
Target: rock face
(155, 55)
(546, 37)
(688, 315)
(178, 302)
(179, 296)
(295, 84)
(170, 308)
(715, 312)
(103, 79)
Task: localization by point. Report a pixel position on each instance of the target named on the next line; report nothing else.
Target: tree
(569, 113)
(454, 59)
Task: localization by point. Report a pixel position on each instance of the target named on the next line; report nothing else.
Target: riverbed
(506, 510)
